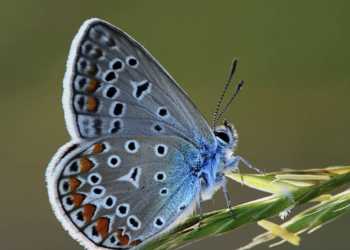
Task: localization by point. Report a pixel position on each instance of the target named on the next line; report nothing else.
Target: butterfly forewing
(115, 87)
(122, 192)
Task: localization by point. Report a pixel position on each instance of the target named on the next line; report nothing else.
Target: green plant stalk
(311, 219)
(221, 221)
(320, 214)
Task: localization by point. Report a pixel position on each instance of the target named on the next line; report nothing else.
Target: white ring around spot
(114, 201)
(109, 161)
(94, 183)
(132, 227)
(96, 195)
(119, 214)
(156, 150)
(161, 194)
(156, 175)
(129, 58)
(114, 61)
(105, 90)
(126, 146)
(155, 222)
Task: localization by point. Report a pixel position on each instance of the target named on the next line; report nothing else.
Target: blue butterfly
(142, 156)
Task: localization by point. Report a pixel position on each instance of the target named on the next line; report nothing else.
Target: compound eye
(223, 136)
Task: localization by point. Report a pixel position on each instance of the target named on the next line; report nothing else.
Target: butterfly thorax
(215, 169)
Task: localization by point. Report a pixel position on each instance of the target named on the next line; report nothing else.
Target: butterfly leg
(226, 195)
(233, 163)
(200, 203)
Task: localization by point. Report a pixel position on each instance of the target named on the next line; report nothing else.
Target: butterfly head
(226, 136)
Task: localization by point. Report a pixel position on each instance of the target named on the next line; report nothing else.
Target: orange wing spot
(98, 148)
(102, 227)
(78, 199)
(135, 243)
(91, 104)
(93, 69)
(123, 239)
(92, 85)
(85, 164)
(88, 212)
(119, 233)
(74, 183)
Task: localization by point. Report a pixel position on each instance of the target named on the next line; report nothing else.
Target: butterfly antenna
(239, 86)
(233, 68)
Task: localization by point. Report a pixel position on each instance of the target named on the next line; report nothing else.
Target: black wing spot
(109, 201)
(82, 82)
(94, 231)
(132, 62)
(161, 150)
(163, 112)
(97, 190)
(160, 177)
(111, 92)
(65, 186)
(81, 102)
(141, 88)
(133, 222)
(116, 127)
(122, 209)
(134, 174)
(94, 178)
(132, 146)
(158, 128)
(117, 65)
(110, 76)
(159, 222)
(74, 167)
(114, 161)
(118, 109)
(112, 239)
(69, 201)
(80, 216)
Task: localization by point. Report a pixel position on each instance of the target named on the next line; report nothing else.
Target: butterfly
(142, 156)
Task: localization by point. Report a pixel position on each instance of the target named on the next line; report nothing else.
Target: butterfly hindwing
(113, 86)
(120, 192)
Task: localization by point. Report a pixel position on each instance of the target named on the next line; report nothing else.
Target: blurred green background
(293, 111)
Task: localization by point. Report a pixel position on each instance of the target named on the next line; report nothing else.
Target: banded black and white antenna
(239, 86)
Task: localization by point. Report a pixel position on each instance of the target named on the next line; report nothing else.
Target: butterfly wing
(138, 140)
(113, 86)
(117, 193)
